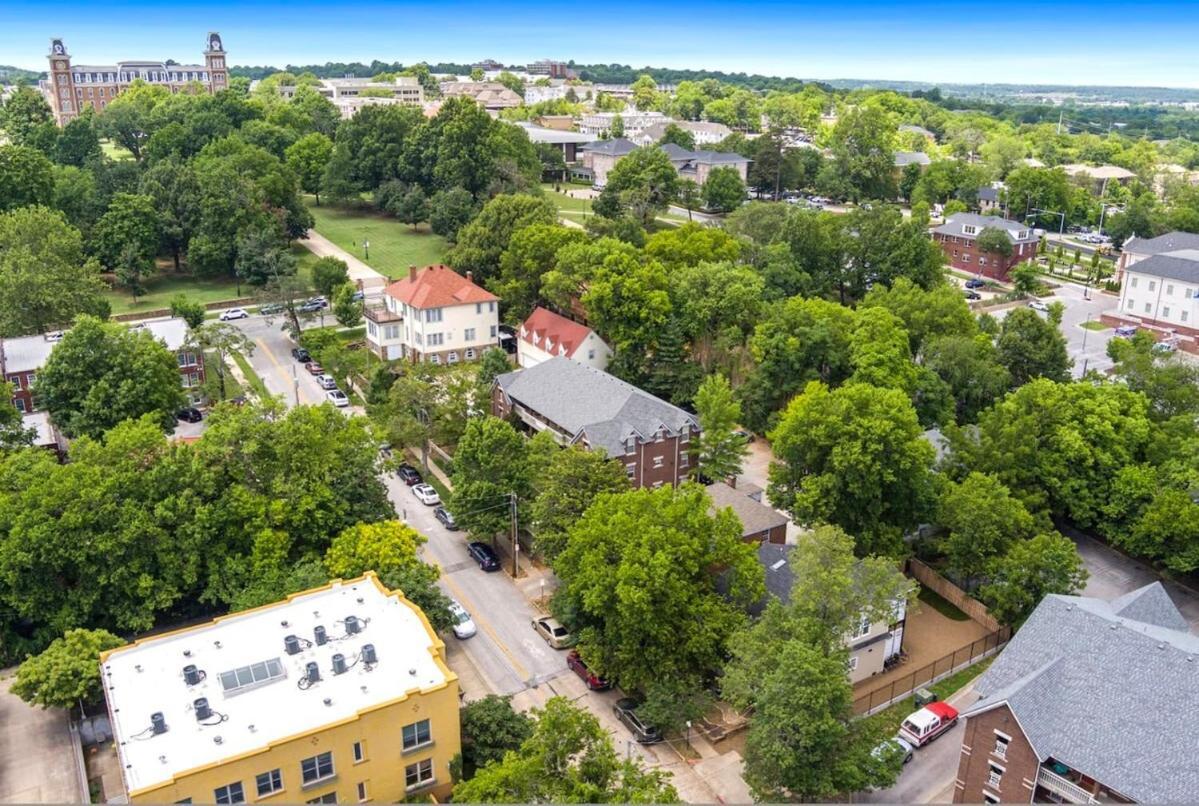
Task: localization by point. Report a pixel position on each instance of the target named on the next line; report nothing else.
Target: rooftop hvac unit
(202, 710)
(312, 672)
(191, 675)
(158, 723)
(318, 632)
(353, 625)
(291, 645)
(339, 663)
(368, 654)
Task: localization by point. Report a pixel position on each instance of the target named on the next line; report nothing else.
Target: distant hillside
(14, 75)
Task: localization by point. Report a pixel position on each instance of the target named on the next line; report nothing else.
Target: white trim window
(317, 768)
(419, 775)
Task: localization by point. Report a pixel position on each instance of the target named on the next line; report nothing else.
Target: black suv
(626, 711)
(190, 415)
(409, 475)
(485, 556)
(301, 355)
(447, 519)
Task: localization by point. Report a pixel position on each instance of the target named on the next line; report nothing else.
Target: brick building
(581, 405)
(1091, 702)
(958, 239)
(72, 88)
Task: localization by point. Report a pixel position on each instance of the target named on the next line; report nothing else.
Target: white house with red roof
(434, 314)
(546, 334)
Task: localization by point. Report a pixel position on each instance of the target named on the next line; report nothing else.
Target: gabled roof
(905, 158)
(1170, 242)
(953, 226)
(438, 287)
(1110, 689)
(988, 194)
(544, 327)
(1182, 264)
(755, 517)
(589, 404)
(617, 147)
(909, 127)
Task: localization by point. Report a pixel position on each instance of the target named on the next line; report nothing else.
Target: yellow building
(339, 694)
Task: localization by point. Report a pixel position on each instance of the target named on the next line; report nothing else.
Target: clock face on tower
(214, 42)
(57, 48)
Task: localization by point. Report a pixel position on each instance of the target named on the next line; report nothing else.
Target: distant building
(567, 142)
(597, 124)
(909, 128)
(556, 91)
(1137, 249)
(1162, 290)
(871, 644)
(72, 88)
(491, 95)
(351, 94)
(1099, 175)
(435, 315)
(488, 64)
(988, 200)
(958, 236)
(553, 69)
(1091, 702)
(581, 405)
(601, 156)
(545, 335)
(340, 694)
(905, 158)
(705, 133)
(22, 358)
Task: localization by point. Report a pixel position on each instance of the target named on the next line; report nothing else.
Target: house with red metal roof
(434, 314)
(546, 334)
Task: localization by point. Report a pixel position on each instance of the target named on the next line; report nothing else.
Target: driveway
(37, 757)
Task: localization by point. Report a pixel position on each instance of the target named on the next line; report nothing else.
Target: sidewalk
(359, 272)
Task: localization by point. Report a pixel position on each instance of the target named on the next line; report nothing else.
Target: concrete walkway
(37, 757)
(359, 272)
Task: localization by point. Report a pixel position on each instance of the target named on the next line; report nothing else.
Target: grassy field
(393, 246)
(163, 286)
(114, 151)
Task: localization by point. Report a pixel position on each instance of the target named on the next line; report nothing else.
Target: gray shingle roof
(988, 194)
(1110, 689)
(953, 226)
(909, 127)
(905, 158)
(589, 404)
(1182, 264)
(754, 516)
(1170, 242)
(615, 148)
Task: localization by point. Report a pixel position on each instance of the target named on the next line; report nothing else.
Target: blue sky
(1053, 41)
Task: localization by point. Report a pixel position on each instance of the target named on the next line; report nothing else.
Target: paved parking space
(37, 760)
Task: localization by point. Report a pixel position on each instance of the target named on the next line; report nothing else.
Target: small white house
(545, 335)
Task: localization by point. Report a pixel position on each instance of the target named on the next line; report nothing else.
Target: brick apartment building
(958, 239)
(581, 405)
(1091, 702)
(72, 88)
(22, 358)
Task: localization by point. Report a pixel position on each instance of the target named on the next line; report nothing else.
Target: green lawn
(163, 286)
(1094, 326)
(251, 376)
(393, 246)
(114, 151)
(892, 716)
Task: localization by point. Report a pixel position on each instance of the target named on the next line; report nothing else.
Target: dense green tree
(1032, 347)
(450, 211)
(642, 185)
(491, 728)
(927, 314)
(45, 280)
(673, 133)
(531, 252)
(308, 157)
(26, 177)
(690, 245)
(970, 367)
(490, 466)
(261, 257)
(329, 274)
(1040, 188)
(13, 433)
(103, 373)
(77, 196)
(724, 191)
(337, 180)
(878, 351)
(571, 480)
(275, 139)
(640, 587)
(885, 247)
(982, 521)
(481, 243)
(347, 309)
(66, 673)
(128, 230)
(175, 192)
(77, 143)
(863, 152)
(718, 305)
(719, 451)
(1169, 382)
(1033, 568)
(853, 457)
(567, 758)
(412, 207)
(25, 116)
(129, 118)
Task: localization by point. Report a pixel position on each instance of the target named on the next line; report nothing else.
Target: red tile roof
(560, 330)
(438, 287)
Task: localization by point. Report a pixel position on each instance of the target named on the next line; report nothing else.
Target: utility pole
(1060, 115)
(515, 542)
(295, 383)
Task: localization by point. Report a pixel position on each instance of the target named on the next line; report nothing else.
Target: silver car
(464, 626)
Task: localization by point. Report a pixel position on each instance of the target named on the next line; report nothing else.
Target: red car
(593, 681)
(314, 368)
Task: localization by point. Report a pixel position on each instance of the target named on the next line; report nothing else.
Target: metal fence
(959, 659)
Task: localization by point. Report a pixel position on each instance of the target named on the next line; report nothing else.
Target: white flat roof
(172, 331)
(147, 677)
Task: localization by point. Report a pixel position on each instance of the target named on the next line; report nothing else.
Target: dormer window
(969, 229)
(1022, 235)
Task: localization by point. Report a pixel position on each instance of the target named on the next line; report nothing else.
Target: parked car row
(327, 382)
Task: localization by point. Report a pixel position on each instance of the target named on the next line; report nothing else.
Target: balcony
(380, 315)
(1063, 787)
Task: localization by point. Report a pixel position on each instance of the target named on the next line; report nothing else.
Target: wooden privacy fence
(957, 597)
(960, 658)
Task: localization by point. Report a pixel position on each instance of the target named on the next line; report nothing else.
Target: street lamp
(366, 247)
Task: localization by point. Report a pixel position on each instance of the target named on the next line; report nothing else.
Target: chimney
(412, 272)
(470, 275)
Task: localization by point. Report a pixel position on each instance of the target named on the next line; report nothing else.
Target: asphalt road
(1088, 348)
(272, 360)
(928, 776)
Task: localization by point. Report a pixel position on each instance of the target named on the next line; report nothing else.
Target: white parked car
(337, 398)
(233, 313)
(426, 494)
(464, 626)
(1037, 305)
(326, 382)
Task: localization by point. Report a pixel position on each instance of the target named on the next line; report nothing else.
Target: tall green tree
(719, 450)
(571, 481)
(982, 521)
(102, 373)
(329, 274)
(490, 466)
(853, 457)
(1047, 563)
(1032, 347)
(128, 231)
(642, 185)
(66, 673)
(175, 192)
(862, 146)
(481, 243)
(491, 728)
(724, 191)
(26, 177)
(45, 280)
(308, 157)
